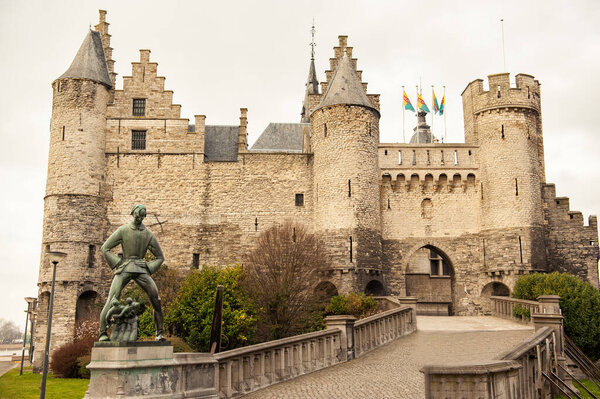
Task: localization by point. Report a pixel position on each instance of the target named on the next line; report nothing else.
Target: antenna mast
(503, 51)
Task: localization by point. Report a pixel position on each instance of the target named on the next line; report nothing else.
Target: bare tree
(281, 275)
(9, 331)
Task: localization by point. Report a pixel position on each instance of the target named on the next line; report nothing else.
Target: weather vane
(312, 43)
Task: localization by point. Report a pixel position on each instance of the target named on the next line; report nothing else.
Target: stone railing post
(345, 323)
(410, 301)
(550, 315)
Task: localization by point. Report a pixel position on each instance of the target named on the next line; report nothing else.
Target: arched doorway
(494, 288)
(375, 288)
(430, 278)
(86, 308)
(326, 289)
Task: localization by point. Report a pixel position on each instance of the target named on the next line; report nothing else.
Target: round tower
(74, 209)
(505, 122)
(344, 140)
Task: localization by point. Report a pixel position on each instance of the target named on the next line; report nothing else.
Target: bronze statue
(135, 240)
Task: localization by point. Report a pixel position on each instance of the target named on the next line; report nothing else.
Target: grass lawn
(584, 395)
(27, 386)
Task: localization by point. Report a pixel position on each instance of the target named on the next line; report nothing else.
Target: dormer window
(139, 107)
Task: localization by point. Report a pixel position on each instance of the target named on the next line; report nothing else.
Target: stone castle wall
(374, 209)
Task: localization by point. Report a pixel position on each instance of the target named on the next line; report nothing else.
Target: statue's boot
(103, 337)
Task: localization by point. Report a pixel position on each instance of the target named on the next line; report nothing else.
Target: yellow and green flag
(406, 103)
(421, 104)
(443, 105)
(436, 107)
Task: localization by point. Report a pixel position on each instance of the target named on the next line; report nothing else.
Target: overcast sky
(219, 56)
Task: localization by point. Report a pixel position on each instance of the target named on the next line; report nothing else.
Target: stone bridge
(393, 370)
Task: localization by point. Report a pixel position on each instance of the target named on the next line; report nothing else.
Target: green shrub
(190, 315)
(520, 312)
(579, 302)
(356, 304)
(65, 359)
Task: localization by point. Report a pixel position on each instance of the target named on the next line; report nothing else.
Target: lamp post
(54, 257)
(32, 317)
(30, 302)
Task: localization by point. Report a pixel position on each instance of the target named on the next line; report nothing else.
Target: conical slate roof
(312, 84)
(90, 61)
(345, 87)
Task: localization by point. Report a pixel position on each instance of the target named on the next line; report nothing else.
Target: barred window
(138, 139)
(139, 106)
(299, 199)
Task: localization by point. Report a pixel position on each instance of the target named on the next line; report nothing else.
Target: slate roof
(90, 61)
(221, 143)
(345, 87)
(285, 137)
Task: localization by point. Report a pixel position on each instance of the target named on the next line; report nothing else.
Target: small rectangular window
(414, 160)
(498, 91)
(299, 199)
(91, 255)
(455, 157)
(138, 139)
(399, 157)
(385, 152)
(196, 261)
(139, 107)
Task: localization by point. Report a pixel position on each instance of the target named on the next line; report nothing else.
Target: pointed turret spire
(312, 83)
(345, 87)
(90, 62)
(422, 131)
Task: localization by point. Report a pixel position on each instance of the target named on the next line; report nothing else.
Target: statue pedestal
(149, 370)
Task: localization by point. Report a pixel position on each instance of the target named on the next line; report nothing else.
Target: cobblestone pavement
(392, 371)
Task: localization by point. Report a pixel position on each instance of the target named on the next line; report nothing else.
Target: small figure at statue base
(124, 320)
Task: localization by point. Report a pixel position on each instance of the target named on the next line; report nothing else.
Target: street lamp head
(55, 256)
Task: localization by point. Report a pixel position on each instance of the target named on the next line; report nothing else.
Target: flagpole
(403, 117)
(432, 113)
(445, 136)
(417, 129)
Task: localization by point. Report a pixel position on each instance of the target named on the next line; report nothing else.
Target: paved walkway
(5, 366)
(392, 371)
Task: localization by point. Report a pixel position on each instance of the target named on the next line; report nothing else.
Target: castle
(448, 223)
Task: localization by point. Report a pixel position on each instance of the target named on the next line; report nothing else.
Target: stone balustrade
(532, 369)
(247, 369)
(379, 329)
(504, 307)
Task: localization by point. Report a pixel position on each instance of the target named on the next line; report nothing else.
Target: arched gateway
(430, 278)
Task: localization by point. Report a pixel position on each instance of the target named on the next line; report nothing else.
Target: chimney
(243, 135)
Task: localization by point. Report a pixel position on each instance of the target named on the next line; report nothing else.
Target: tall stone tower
(505, 122)
(344, 140)
(74, 207)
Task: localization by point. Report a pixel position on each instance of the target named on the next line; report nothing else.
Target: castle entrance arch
(86, 308)
(430, 278)
(494, 288)
(374, 287)
(326, 289)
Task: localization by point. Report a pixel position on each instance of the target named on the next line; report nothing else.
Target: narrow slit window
(528, 92)
(58, 87)
(414, 160)
(521, 249)
(325, 129)
(138, 139)
(350, 249)
(428, 159)
(63, 133)
(389, 207)
(255, 224)
(385, 152)
(442, 162)
(196, 261)
(502, 131)
(455, 157)
(516, 187)
(399, 157)
(300, 199)
(498, 91)
(91, 255)
(139, 107)
(349, 188)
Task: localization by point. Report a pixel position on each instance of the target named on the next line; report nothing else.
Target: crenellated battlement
(525, 94)
(427, 182)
